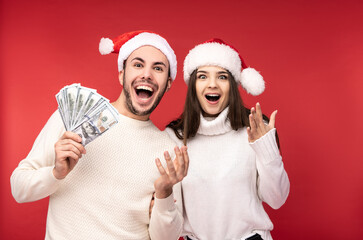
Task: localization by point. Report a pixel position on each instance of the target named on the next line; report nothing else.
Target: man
(107, 193)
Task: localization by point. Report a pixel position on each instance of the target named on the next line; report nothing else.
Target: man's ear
(168, 86)
(121, 77)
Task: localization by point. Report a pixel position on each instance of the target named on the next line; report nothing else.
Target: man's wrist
(56, 175)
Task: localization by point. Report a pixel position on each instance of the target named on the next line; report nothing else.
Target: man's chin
(142, 109)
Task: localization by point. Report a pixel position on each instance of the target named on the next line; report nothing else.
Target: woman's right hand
(68, 150)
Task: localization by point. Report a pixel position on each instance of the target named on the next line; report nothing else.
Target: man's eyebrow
(138, 59)
(143, 61)
(159, 63)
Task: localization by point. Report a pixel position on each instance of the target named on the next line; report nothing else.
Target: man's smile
(144, 91)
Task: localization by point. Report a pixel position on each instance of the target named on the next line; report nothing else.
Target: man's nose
(146, 73)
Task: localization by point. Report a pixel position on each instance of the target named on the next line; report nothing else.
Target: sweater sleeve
(172, 135)
(33, 179)
(166, 221)
(273, 183)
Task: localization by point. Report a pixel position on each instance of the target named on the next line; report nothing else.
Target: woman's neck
(214, 125)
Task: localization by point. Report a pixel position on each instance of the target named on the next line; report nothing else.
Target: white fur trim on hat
(252, 81)
(106, 46)
(151, 39)
(212, 54)
(218, 54)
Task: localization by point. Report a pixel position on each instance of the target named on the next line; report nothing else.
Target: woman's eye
(223, 77)
(202, 76)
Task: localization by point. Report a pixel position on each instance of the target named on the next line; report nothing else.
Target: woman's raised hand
(258, 128)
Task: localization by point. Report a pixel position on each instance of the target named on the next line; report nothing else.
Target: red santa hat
(215, 52)
(128, 42)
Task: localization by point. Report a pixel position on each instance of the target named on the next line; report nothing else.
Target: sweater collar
(134, 122)
(215, 126)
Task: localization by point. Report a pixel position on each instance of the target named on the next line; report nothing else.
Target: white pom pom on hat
(252, 81)
(106, 46)
(216, 52)
(128, 42)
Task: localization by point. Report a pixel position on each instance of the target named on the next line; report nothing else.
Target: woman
(235, 163)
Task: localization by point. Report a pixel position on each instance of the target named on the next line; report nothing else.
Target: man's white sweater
(108, 193)
(227, 181)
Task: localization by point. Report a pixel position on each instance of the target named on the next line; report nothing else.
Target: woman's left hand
(258, 127)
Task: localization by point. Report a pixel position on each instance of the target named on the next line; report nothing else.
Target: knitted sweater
(228, 178)
(107, 195)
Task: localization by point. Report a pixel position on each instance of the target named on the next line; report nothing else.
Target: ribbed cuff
(48, 174)
(266, 147)
(165, 204)
(49, 180)
(42, 183)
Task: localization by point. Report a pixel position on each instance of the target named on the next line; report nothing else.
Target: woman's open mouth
(213, 98)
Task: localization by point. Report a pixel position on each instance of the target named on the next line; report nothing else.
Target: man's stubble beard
(131, 107)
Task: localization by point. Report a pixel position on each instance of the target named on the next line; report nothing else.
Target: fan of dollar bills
(85, 112)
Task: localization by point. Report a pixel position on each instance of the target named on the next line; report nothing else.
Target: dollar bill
(96, 124)
(85, 112)
(61, 108)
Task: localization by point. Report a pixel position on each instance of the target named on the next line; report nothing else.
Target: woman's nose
(212, 83)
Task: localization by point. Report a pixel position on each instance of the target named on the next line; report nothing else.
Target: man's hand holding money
(68, 150)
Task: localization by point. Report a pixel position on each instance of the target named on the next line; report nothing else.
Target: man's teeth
(144, 88)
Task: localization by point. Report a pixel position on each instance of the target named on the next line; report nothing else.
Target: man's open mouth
(212, 97)
(144, 92)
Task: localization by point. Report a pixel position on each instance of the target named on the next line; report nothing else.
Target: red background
(309, 52)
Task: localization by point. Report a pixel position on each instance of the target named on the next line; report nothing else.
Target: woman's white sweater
(227, 181)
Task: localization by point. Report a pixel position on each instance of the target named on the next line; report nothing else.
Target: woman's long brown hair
(186, 126)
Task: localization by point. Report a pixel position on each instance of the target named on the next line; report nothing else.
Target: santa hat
(126, 43)
(215, 52)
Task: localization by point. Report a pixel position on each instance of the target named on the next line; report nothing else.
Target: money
(85, 112)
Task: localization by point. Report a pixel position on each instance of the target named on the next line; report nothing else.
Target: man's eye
(138, 65)
(158, 69)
